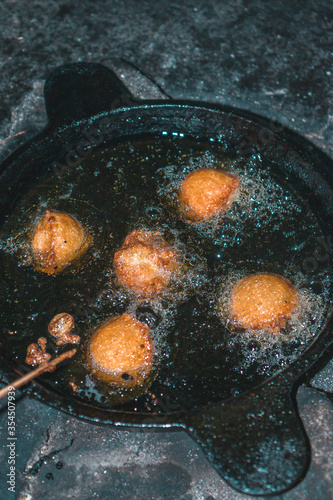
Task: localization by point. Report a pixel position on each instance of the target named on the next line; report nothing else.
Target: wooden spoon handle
(45, 367)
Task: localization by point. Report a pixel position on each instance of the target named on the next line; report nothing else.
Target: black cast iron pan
(112, 161)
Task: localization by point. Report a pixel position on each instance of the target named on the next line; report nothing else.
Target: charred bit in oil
(36, 353)
(60, 327)
(73, 386)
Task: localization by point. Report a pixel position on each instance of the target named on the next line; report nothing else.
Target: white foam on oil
(264, 205)
(189, 277)
(259, 197)
(269, 349)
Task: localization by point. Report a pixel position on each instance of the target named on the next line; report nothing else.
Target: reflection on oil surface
(134, 185)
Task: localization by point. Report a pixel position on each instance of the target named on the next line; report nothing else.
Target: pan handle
(81, 90)
(256, 442)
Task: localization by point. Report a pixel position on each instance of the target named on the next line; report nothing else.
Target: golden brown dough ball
(145, 263)
(120, 352)
(206, 191)
(263, 301)
(58, 239)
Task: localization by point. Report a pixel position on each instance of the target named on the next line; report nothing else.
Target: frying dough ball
(263, 300)
(120, 352)
(205, 191)
(58, 239)
(145, 263)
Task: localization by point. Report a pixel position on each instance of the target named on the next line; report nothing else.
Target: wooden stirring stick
(45, 367)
